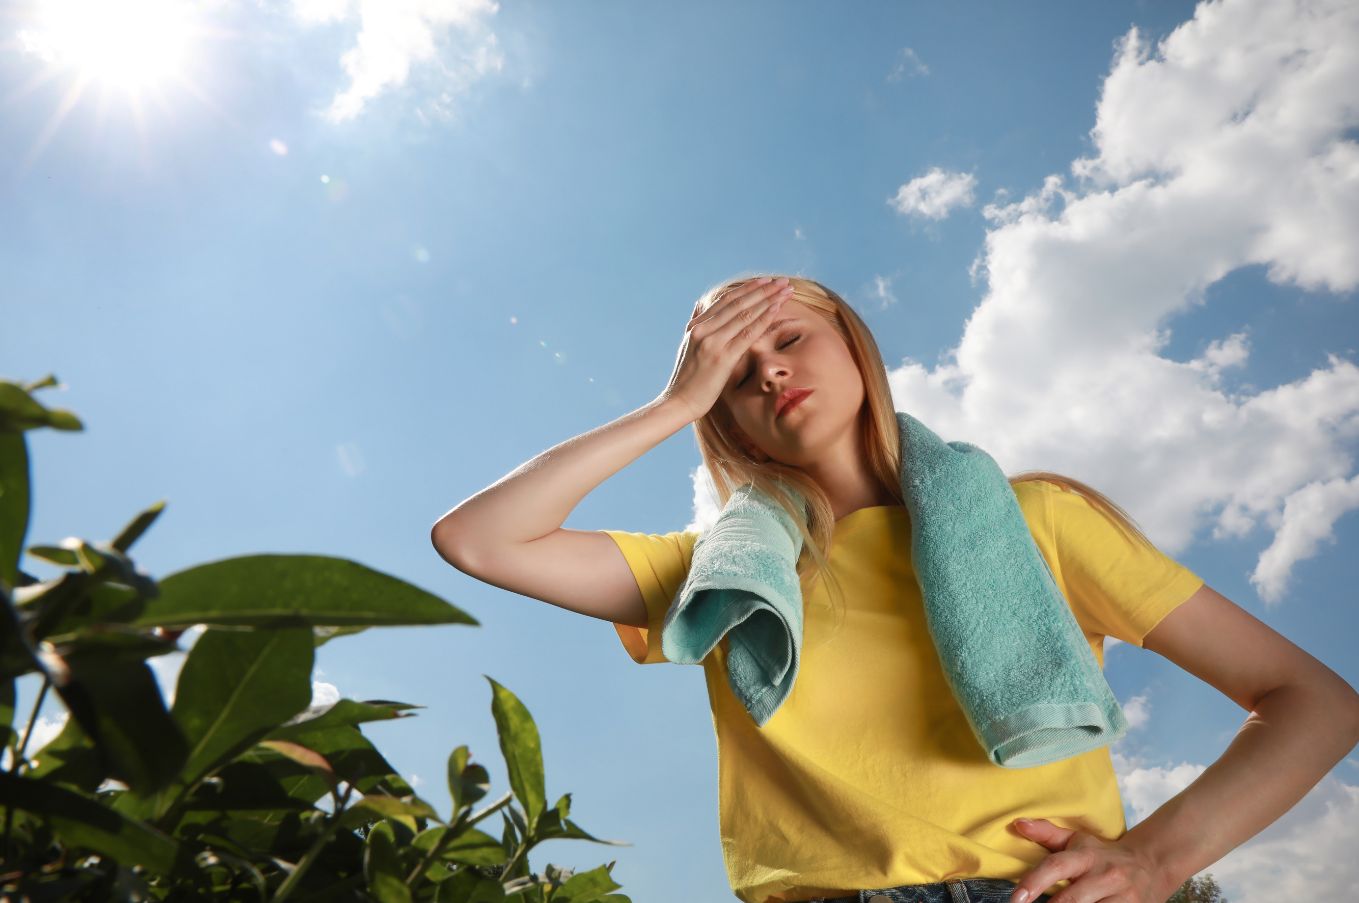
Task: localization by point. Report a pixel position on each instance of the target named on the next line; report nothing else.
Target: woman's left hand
(1100, 871)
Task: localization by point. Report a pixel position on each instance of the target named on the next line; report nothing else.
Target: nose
(774, 370)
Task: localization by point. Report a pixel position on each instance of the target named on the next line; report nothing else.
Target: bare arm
(534, 499)
(1303, 719)
(510, 534)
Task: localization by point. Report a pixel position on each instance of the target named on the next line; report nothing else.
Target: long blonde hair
(731, 467)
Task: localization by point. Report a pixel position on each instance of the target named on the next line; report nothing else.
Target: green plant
(1198, 889)
(239, 791)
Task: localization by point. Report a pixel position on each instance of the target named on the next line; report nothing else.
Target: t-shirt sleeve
(1119, 586)
(659, 563)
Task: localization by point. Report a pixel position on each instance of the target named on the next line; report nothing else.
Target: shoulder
(1035, 499)
(1058, 510)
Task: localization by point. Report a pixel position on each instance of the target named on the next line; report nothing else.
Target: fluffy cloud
(1304, 855)
(1227, 145)
(935, 194)
(1138, 711)
(396, 35)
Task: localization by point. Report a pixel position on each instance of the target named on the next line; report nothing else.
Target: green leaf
(586, 887)
(14, 503)
(116, 641)
(276, 590)
(139, 525)
(83, 822)
(16, 654)
(522, 749)
(376, 806)
(8, 736)
(120, 708)
(269, 787)
(235, 686)
(344, 713)
(19, 410)
(467, 886)
(353, 757)
(382, 866)
(473, 846)
(69, 758)
(554, 825)
(467, 783)
(308, 758)
(104, 605)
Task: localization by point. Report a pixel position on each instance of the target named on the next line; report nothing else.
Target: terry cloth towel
(1011, 649)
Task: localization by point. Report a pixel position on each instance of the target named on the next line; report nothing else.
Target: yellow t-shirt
(868, 775)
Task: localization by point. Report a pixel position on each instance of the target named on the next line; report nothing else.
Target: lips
(790, 398)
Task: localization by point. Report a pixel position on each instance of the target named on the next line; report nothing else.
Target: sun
(133, 45)
(139, 49)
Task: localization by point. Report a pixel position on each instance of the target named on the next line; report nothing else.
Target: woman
(867, 783)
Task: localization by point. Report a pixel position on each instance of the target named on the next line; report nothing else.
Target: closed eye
(781, 347)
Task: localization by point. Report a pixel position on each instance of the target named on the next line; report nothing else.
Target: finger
(740, 334)
(730, 319)
(745, 290)
(1040, 830)
(1057, 867)
(698, 306)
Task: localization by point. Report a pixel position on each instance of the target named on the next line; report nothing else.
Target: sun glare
(130, 44)
(133, 53)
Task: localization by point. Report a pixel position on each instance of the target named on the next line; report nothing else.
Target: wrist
(1163, 871)
(675, 407)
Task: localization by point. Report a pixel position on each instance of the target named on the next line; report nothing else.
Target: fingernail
(1020, 896)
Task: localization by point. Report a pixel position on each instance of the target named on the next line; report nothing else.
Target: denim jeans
(954, 890)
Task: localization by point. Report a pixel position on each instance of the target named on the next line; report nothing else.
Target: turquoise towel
(1012, 651)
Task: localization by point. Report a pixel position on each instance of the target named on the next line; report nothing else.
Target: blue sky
(316, 272)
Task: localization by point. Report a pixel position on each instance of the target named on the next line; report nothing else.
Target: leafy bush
(240, 790)
(1199, 889)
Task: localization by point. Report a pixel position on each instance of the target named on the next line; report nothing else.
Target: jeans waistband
(954, 890)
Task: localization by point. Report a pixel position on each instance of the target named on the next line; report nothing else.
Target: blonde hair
(730, 466)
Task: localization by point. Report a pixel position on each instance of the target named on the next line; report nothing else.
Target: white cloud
(1228, 146)
(1146, 787)
(706, 507)
(323, 696)
(881, 292)
(1304, 528)
(1138, 711)
(395, 36)
(908, 63)
(1305, 854)
(935, 194)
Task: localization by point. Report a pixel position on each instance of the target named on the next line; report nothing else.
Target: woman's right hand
(716, 339)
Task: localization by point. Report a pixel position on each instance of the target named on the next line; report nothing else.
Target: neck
(843, 474)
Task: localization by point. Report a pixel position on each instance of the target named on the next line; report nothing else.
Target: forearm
(1285, 747)
(537, 496)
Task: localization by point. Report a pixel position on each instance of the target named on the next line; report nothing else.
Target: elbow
(449, 543)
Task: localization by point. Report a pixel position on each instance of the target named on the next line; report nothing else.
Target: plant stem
(19, 760)
(452, 832)
(322, 839)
